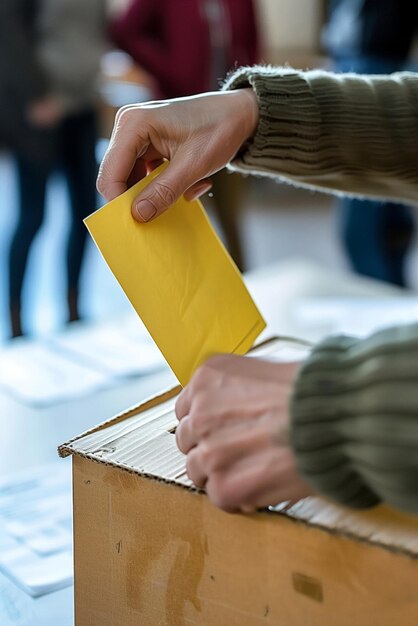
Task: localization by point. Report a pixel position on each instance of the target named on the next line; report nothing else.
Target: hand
(234, 424)
(46, 112)
(199, 135)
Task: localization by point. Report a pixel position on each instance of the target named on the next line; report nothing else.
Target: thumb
(163, 191)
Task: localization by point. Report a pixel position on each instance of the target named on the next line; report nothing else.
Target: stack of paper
(121, 347)
(78, 361)
(357, 315)
(36, 373)
(36, 529)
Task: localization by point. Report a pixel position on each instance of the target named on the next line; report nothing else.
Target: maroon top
(173, 40)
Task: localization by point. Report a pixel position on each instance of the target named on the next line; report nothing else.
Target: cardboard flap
(143, 443)
(68, 448)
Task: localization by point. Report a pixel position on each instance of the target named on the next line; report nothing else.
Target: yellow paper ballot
(179, 279)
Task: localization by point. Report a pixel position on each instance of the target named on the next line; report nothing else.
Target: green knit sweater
(354, 410)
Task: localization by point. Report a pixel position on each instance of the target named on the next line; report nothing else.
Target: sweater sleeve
(340, 133)
(354, 419)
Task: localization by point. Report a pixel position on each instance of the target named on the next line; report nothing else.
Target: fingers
(204, 377)
(130, 154)
(222, 450)
(257, 481)
(118, 163)
(199, 135)
(207, 376)
(141, 140)
(198, 189)
(185, 438)
(227, 381)
(233, 428)
(167, 188)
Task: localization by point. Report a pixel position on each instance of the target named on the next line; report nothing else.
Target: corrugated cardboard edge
(65, 449)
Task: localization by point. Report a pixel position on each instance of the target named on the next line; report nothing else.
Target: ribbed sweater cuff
(354, 419)
(289, 122)
(337, 133)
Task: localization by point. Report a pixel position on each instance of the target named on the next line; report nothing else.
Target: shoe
(15, 320)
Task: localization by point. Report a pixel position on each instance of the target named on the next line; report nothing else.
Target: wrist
(251, 111)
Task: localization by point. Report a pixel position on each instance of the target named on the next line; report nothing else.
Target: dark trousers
(376, 235)
(72, 150)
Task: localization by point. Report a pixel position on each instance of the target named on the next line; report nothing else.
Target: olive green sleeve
(340, 133)
(354, 419)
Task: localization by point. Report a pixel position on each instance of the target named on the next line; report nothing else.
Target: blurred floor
(278, 222)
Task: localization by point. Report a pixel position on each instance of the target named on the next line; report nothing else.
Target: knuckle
(227, 493)
(198, 385)
(180, 404)
(203, 376)
(101, 183)
(200, 403)
(218, 360)
(196, 424)
(220, 492)
(216, 370)
(199, 379)
(194, 469)
(104, 174)
(208, 456)
(199, 413)
(164, 194)
(190, 466)
(124, 114)
(191, 421)
(180, 436)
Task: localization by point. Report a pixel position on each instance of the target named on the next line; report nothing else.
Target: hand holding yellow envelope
(179, 279)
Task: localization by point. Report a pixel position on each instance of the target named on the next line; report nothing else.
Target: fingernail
(145, 210)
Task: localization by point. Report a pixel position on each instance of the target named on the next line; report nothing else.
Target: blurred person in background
(188, 48)
(374, 37)
(50, 53)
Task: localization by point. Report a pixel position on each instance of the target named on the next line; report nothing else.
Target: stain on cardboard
(176, 547)
(308, 586)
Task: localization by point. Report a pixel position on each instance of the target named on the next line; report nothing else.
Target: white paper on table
(39, 374)
(36, 528)
(355, 316)
(16, 609)
(121, 347)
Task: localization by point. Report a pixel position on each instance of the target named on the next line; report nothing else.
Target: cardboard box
(151, 549)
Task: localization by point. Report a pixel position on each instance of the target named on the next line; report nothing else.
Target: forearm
(355, 135)
(355, 419)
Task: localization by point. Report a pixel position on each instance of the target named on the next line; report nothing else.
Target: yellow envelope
(179, 278)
